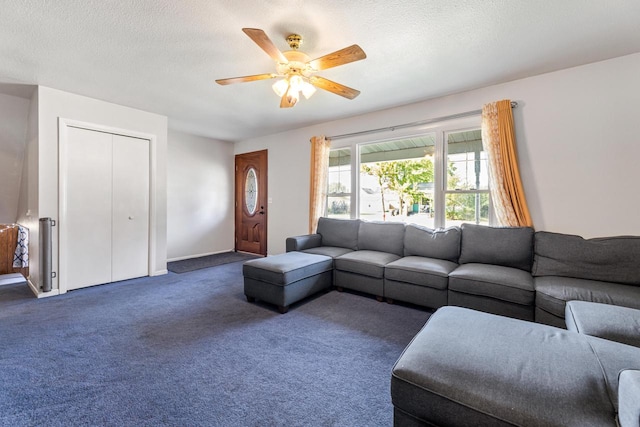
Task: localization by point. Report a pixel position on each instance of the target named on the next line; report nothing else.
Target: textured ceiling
(164, 55)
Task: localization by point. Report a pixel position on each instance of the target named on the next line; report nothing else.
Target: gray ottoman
(286, 278)
(469, 368)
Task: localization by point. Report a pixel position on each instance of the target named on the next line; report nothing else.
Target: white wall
(28, 201)
(200, 196)
(288, 184)
(578, 133)
(14, 113)
(54, 104)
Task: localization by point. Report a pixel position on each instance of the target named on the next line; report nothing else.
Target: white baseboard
(159, 273)
(40, 294)
(198, 255)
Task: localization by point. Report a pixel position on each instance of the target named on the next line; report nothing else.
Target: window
(397, 179)
(436, 176)
(467, 184)
(339, 181)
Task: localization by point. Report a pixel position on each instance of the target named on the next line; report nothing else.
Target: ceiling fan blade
(261, 39)
(286, 102)
(246, 79)
(333, 87)
(343, 56)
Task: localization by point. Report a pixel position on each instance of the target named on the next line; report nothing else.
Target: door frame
(237, 199)
(63, 135)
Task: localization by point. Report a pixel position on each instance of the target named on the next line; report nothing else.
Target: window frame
(444, 188)
(441, 130)
(351, 198)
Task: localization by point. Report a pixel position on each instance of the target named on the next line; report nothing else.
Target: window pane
(467, 165)
(339, 181)
(397, 180)
(251, 191)
(466, 207)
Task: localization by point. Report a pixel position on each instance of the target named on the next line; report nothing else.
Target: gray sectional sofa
(513, 271)
(471, 365)
(469, 368)
(566, 267)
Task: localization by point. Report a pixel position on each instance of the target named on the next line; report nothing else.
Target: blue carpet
(188, 350)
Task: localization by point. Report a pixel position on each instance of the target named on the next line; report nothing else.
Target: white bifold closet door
(106, 236)
(130, 209)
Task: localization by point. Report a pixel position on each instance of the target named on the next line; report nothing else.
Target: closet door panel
(88, 208)
(130, 251)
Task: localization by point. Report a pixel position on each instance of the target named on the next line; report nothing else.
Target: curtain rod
(408, 125)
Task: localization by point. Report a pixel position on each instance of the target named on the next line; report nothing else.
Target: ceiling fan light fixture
(295, 82)
(308, 89)
(280, 87)
(292, 96)
(293, 86)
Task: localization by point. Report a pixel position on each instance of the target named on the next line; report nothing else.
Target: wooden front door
(251, 202)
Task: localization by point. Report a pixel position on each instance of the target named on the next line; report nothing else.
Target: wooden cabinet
(8, 241)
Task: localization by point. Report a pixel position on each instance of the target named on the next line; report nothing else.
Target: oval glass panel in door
(251, 191)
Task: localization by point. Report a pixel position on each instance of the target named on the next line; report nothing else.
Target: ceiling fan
(297, 70)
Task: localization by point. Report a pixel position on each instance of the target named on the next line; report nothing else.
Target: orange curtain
(498, 138)
(320, 147)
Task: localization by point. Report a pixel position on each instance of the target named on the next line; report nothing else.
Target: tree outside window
(402, 179)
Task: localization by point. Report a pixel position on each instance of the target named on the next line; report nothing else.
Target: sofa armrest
(611, 322)
(629, 398)
(300, 243)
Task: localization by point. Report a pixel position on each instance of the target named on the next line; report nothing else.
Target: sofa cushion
(382, 237)
(286, 268)
(342, 233)
(366, 263)
(628, 401)
(471, 368)
(421, 271)
(502, 283)
(611, 322)
(430, 243)
(610, 259)
(552, 293)
(505, 246)
(332, 251)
